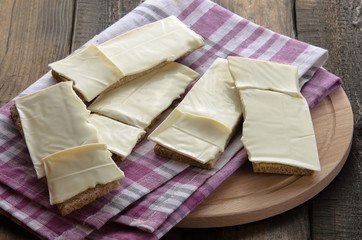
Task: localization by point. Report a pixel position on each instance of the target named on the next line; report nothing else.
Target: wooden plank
(93, 16)
(277, 15)
(336, 26)
(293, 224)
(32, 34)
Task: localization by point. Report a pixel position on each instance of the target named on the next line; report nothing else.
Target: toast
(200, 127)
(86, 197)
(122, 59)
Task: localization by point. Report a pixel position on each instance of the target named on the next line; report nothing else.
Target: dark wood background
(34, 33)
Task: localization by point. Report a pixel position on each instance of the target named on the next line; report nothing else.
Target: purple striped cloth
(156, 193)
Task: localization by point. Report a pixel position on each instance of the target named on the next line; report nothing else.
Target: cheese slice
(277, 124)
(146, 47)
(260, 74)
(202, 123)
(120, 138)
(278, 129)
(119, 60)
(54, 119)
(74, 170)
(90, 70)
(140, 101)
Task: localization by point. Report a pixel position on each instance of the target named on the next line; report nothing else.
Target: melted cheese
(140, 101)
(74, 170)
(146, 47)
(54, 119)
(120, 138)
(278, 127)
(202, 123)
(90, 70)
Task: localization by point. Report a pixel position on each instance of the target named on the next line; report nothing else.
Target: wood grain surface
(34, 33)
(336, 213)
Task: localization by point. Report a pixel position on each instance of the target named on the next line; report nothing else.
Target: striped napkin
(156, 192)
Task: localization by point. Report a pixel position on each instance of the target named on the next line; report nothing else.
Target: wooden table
(34, 33)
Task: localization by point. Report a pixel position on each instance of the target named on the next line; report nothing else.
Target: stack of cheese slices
(278, 131)
(134, 79)
(129, 81)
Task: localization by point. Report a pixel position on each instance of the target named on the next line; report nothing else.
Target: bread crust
(163, 151)
(16, 118)
(264, 167)
(85, 197)
(171, 154)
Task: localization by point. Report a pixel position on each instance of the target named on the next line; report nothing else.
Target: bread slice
(119, 83)
(171, 154)
(98, 69)
(82, 198)
(120, 138)
(77, 176)
(16, 118)
(264, 167)
(278, 130)
(200, 127)
(86, 197)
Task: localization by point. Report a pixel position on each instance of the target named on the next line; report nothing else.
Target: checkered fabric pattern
(156, 192)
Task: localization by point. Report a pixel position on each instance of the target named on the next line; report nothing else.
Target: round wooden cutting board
(247, 197)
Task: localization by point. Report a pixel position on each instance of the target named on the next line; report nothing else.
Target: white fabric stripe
(311, 54)
(203, 67)
(216, 37)
(189, 59)
(108, 208)
(7, 131)
(259, 42)
(212, 40)
(198, 13)
(35, 225)
(20, 215)
(149, 12)
(145, 148)
(224, 29)
(172, 6)
(241, 36)
(172, 222)
(157, 12)
(141, 190)
(127, 196)
(175, 166)
(274, 48)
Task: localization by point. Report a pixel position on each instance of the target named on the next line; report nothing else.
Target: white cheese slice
(140, 101)
(278, 129)
(74, 170)
(146, 47)
(277, 124)
(120, 138)
(267, 75)
(90, 70)
(54, 119)
(202, 123)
